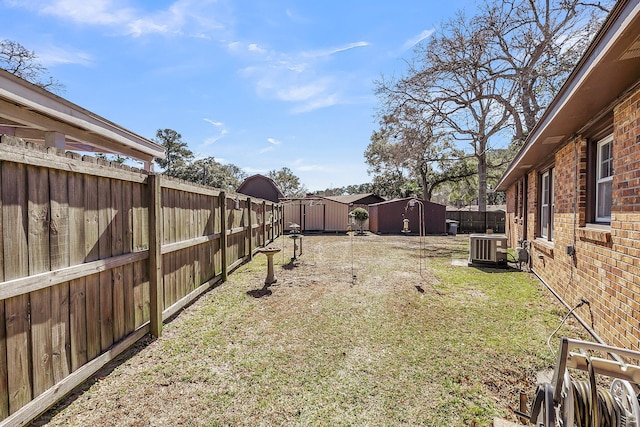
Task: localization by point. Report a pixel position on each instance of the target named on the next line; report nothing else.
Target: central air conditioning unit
(487, 249)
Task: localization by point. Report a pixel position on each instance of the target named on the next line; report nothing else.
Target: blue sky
(262, 84)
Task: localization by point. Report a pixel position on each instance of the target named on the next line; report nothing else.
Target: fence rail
(97, 255)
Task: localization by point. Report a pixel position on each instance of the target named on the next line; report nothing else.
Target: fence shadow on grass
(103, 372)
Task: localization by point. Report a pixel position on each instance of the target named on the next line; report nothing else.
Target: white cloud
(317, 103)
(213, 139)
(303, 92)
(311, 79)
(139, 27)
(293, 16)
(273, 141)
(54, 55)
(417, 39)
(300, 78)
(253, 47)
(216, 124)
(333, 51)
(300, 165)
(100, 12)
(234, 46)
(266, 150)
(192, 17)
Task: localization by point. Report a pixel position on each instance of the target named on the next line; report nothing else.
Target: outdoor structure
(324, 214)
(262, 187)
(35, 115)
(573, 190)
(97, 255)
(316, 214)
(387, 217)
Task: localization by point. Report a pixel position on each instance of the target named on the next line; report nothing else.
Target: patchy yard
(403, 342)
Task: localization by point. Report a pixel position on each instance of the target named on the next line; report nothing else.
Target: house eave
(31, 112)
(598, 80)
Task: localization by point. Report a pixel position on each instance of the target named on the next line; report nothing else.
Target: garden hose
(605, 412)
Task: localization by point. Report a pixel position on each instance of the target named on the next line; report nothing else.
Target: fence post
(155, 255)
(223, 233)
(250, 222)
(264, 223)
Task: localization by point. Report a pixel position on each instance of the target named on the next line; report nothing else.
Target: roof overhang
(36, 115)
(607, 70)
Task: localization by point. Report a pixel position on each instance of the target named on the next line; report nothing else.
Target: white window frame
(603, 179)
(546, 204)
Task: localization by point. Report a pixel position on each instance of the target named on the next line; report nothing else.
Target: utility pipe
(578, 318)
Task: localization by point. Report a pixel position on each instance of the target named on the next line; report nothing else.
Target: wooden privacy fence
(95, 256)
(478, 222)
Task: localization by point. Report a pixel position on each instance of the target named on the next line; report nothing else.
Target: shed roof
(36, 115)
(609, 67)
(261, 178)
(352, 198)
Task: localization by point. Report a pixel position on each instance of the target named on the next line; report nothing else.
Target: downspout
(525, 206)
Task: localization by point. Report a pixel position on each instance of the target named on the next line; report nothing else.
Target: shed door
(314, 218)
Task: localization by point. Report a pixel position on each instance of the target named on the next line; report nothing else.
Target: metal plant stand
(296, 236)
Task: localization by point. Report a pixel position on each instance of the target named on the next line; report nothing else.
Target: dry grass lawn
(407, 341)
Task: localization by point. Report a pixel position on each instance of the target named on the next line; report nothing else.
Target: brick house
(573, 190)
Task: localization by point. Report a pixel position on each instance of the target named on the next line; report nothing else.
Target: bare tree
(23, 63)
(536, 44)
(408, 140)
(459, 87)
(487, 79)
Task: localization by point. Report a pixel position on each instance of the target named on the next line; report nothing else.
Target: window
(517, 208)
(546, 205)
(604, 177)
(522, 198)
(519, 203)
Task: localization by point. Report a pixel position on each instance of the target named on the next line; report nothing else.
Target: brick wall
(606, 266)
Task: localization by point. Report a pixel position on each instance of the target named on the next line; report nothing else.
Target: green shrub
(360, 215)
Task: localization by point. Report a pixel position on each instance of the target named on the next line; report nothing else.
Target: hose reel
(566, 402)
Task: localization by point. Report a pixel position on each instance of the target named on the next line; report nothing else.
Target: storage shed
(387, 217)
(316, 214)
(262, 187)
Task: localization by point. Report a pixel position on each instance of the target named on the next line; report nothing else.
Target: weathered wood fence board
(14, 217)
(96, 255)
